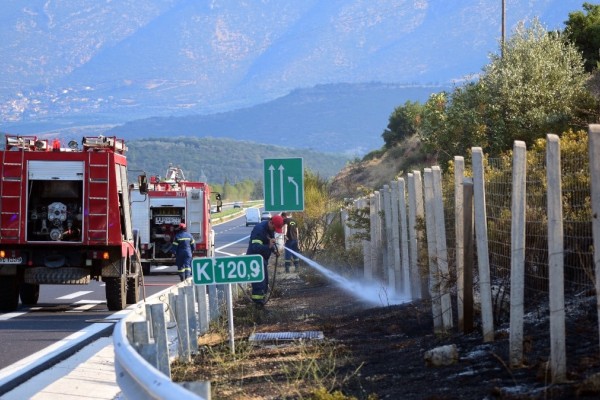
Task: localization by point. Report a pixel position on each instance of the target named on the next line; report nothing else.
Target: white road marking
(73, 295)
(218, 250)
(6, 316)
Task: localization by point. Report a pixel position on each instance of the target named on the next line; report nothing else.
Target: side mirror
(143, 184)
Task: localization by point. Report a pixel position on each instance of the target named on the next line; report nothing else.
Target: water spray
(373, 293)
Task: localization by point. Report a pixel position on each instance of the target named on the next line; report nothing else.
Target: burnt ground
(378, 352)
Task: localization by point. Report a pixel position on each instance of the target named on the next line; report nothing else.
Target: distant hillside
(115, 61)
(220, 159)
(337, 118)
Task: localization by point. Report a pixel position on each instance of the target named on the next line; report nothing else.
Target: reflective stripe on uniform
(257, 241)
(258, 296)
(184, 269)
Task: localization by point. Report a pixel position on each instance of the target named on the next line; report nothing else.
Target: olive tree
(536, 87)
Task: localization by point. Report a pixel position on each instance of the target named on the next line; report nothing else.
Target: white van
(252, 216)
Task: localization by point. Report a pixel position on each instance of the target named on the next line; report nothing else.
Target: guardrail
(164, 327)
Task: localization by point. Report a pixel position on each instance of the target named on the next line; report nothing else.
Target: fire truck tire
(116, 293)
(146, 268)
(58, 276)
(133, 290)
(9, 293)
(30, 294)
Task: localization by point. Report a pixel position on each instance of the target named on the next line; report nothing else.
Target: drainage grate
(276, 336)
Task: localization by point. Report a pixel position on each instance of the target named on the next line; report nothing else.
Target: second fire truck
(156, 215)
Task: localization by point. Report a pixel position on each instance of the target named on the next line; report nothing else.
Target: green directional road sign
(284, 184)
(235, 269)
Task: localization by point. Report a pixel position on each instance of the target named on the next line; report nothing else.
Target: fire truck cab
(65, 218)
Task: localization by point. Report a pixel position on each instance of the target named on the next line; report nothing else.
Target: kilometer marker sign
(235, 269)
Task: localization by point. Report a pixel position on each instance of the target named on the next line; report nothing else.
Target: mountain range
(67, 63)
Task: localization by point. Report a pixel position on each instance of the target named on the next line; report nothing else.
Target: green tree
(537, 87)
(453, 123)
(584, 31)
(403, 123)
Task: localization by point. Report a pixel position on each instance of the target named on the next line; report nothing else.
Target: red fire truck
(169, 201)
(65, 218)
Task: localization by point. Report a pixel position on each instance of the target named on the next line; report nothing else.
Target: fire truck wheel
(115, 293)
(9, 293)
(133, 290)
(146, 268)
(30, 294)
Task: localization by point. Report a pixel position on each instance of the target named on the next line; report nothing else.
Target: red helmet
(182, 226)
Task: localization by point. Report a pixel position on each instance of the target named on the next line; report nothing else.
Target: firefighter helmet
(181, 226)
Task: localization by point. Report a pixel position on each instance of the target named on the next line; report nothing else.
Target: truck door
(195, 214)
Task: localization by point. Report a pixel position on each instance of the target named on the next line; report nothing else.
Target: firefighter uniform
(183, 244)
(291, 242)
(260, 243)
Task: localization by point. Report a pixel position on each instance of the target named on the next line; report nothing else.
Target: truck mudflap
(112, 270)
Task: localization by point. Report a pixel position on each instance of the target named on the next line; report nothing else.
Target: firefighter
(290, 230)
(183, 243)
(262, 241)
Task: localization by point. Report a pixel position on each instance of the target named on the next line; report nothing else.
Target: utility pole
(503, 27)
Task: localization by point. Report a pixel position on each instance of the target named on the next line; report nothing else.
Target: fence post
(467, 324)
(558, 354)
(459, 232)
(434, 277)
(395, 238)
(517, 257)
(416, 213)
(387, 236)
(347, 230)
(483, 258)
(376, 233)
(369, 264)
(594, 155)
(441, 248)
(366, 245)
(404, 239)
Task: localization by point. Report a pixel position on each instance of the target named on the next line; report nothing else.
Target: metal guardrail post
(203, 316)
(192, 318)
(156, 313)
(145, 373)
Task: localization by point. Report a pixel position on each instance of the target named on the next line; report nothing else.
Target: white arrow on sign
(292, 181)
(271, 170)
(281, 169)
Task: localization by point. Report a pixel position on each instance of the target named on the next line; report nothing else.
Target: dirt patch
(378, 352)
